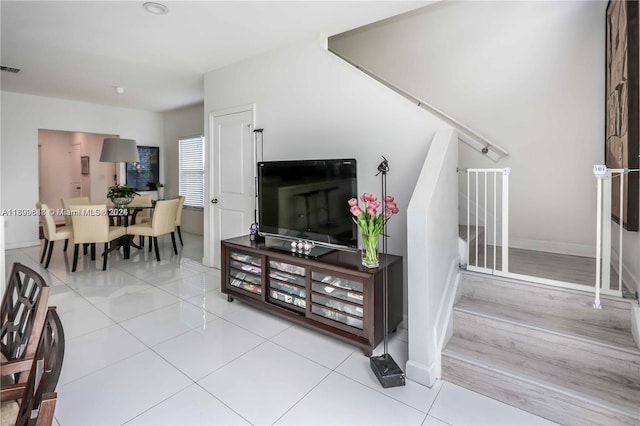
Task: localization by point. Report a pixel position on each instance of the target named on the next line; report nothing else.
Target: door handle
(214, 201)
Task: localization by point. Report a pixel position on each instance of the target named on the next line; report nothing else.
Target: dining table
(121, 216)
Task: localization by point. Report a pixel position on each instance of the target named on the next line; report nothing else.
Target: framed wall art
(84, 165)
(143, 175)
(622, 125)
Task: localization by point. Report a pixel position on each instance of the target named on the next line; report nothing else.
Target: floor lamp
(385, 368)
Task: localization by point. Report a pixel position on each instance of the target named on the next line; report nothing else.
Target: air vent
(9, 69)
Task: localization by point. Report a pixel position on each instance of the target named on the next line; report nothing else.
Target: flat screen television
(307, 200)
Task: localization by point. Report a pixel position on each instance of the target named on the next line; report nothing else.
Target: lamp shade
(119, 150)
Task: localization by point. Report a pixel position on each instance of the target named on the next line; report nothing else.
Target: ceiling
(83, 50)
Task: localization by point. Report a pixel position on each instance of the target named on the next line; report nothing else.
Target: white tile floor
(156, 343)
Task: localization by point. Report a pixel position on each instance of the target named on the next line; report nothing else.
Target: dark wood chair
(22, 314)
(34, 402)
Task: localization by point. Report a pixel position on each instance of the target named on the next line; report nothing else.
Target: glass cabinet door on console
(287, 285)
(245, 273)
(337, 301)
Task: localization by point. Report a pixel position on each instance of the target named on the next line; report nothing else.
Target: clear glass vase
(121, 202)
(370, 258)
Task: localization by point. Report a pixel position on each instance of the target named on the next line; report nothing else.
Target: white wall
(630, 256)
(55, 167)
(22, 116)
(181, 123)
(96, 184)
(530, 77)
(313, 105)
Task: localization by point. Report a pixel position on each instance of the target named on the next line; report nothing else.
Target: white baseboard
(425, 375)
(553, 247)
(463, 251)
(635, 323)
(21, 244)
(628, 277)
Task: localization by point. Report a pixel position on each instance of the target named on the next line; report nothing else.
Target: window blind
(191, 169)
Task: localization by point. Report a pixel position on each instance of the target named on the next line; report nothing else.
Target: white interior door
(76, 175)
(232, 178)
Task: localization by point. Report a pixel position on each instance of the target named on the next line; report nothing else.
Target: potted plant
(160, 189)
(121, 195)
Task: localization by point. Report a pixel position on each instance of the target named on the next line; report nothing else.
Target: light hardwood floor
(554, 266)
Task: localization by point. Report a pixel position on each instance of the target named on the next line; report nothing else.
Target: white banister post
(477, 176)
(495, 222)
(605, 276)
(486, 227)
(468, 219)
(600, 172)
(620, 245)
(505, 219)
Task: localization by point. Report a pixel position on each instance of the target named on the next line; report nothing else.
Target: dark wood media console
(333, 293)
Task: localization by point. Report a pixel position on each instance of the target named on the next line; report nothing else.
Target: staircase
(545, 350)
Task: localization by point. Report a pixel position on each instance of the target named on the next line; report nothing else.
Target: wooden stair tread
(545, 350)
(598, 334)
(621, 397)
(544, 401)
(523, 285)
(546, 300)
(597, 359)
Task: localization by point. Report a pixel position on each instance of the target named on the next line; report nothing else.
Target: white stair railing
(605, 178)
(483, 194)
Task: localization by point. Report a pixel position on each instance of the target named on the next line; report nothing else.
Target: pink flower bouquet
(371, 222)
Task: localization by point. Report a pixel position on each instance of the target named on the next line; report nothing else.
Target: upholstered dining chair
(34, 402)
(163, 222)
(179, 217)
(142, 200)
(52, 233)
(91, 226)
(143, 214)
(22, 315)
(73, 201)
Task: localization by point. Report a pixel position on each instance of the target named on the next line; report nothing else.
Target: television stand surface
(314, 253)
(332, 293)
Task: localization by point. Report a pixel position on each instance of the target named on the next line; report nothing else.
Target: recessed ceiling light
(155, 8)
